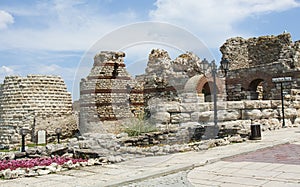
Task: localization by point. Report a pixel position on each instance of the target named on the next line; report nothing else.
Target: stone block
(190, 125)
(252, 104)
(290, 113)
(189, 107)
(275, 103)
(227, 115)
(204, 107)
(296, 104)
(297, 121)
(240, 124)
(207, 116)
(171, 107)
(265, 104)
(180, 117)
(252, 114)
(221, 105)
(269, 113)
(235, 105)
(195, 116)
(161, 117)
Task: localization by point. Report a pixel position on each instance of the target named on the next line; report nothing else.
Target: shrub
(137, 126)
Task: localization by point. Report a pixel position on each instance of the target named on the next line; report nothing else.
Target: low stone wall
(234, 117)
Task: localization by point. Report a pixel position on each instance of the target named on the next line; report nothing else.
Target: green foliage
(137, 126)
(4, 150)
(8, 150)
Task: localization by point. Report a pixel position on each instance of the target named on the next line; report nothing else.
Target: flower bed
(29, 163)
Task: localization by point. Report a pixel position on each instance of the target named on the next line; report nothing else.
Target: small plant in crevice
(138, 126)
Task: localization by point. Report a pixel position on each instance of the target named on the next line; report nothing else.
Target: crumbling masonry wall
(256, 61)
(108, 93)
(173, 80)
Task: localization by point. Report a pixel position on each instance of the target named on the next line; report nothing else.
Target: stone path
(276, 166)
(213, 167)
(281, 154)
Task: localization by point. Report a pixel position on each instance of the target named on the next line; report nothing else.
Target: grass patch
(4, 150)
(137, 126)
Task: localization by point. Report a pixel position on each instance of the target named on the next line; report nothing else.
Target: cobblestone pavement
(275, 166)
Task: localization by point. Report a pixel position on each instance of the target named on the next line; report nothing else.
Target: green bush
(137, 126)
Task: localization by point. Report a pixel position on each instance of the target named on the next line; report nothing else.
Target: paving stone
(281, 184)
(241, 180)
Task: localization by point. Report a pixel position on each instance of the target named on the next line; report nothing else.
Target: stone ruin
(176, 94)
(255, 61)
(35, 102)
(109, 93)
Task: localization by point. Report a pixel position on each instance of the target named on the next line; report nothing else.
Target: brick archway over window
(248, 78)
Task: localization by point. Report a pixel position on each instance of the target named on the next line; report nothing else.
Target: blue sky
(52, 37)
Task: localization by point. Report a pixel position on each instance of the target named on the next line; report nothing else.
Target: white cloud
(64, 25)
(213, 20)
(5, 71)
(5, 19)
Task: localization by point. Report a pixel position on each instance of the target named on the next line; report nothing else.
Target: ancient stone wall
(108, 93)
(234, 117)
(169, 80)
(254, 62)
(252, 52)
(25, 98)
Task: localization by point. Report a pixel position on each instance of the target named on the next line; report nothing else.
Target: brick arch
(191, 84)
(209, 80)
(253, 84)
(246, 77)
(259, 76)
(198, 82)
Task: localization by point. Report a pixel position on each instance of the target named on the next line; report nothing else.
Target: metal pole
(23, 143)
(282, 104)
(215, 100)
(58, 136)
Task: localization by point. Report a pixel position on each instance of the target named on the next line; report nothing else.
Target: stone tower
(108, 93)
(24, 99)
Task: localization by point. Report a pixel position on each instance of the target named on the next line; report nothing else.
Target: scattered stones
(43, 172)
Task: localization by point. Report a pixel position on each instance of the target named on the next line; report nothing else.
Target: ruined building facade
(255, 61)
(109, 93)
